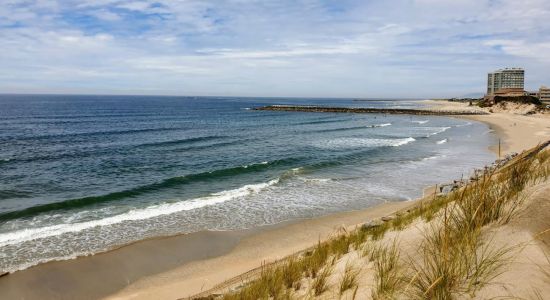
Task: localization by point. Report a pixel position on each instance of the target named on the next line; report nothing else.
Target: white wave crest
(345, 143)
(262, 163)
(443, 141)
(421, 122)
(297, 170)
(438, 131)
(434, 157)
(403, 142)
(133, 215)
(379, 125)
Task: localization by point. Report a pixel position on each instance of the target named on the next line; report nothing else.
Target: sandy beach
(182, 266)
(516, 132)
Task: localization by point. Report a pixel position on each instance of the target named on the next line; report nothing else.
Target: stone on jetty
(394, 111)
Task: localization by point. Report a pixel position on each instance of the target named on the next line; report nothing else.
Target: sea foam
(346, 143)
(438, 131)
(29, 234)
(379, 125)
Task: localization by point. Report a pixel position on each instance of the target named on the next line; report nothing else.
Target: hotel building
(544, 94)
(506, 81)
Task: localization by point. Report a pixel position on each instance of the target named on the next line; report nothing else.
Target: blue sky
(308, 48)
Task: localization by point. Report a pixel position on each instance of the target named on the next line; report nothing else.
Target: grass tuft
(349, 278)
(320, 283)
(388, 272)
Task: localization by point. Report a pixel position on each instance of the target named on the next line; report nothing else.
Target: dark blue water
(83, 174)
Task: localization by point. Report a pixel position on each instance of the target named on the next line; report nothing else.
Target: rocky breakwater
(366, 110)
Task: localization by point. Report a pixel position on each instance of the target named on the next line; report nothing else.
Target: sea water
(85, 174)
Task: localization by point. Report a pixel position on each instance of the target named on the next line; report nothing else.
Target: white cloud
(535, 50)
(271, 47)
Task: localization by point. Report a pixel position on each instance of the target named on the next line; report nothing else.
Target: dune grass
(292, 272)
(388, 271)
(456, 256)
(349, 278)
(320, 283)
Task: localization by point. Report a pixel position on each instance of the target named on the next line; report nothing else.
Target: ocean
(84, 174)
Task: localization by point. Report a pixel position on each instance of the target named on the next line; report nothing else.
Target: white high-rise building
(509, 78)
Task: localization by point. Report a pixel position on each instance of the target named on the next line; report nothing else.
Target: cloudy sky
(340, 48)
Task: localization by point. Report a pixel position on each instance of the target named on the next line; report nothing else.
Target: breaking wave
(133, 215)
(346, 143)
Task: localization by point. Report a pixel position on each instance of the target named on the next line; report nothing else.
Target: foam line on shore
(25, 235)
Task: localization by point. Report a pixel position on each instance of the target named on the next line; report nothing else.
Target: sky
(301, 48)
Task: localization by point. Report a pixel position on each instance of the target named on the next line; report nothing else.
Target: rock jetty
(393, 111)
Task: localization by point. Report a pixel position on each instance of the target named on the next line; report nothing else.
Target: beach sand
(266, 246)
(516, 133)
(181, 266)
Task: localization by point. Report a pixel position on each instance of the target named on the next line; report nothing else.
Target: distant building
(544, 94)
(509, 81)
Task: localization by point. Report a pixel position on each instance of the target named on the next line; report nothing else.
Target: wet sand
(253, 251)
(96, 276)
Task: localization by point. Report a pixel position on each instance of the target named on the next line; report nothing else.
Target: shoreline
(157, 267)
(140, 265)
(516, 131)
(260, 248)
